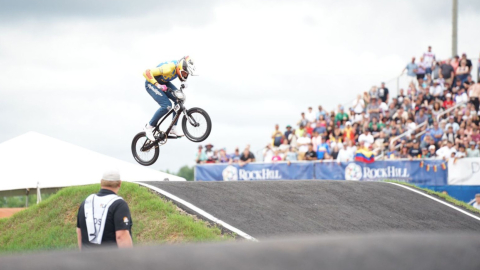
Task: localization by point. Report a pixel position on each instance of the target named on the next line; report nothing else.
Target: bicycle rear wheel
(144, 157)
(200, 132)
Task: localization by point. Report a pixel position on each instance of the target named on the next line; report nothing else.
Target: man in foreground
(104, 218)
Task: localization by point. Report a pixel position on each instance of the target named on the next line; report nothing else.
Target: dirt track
(8, 212)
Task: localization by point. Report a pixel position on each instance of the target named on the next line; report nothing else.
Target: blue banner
(428, 172)
(255, 171)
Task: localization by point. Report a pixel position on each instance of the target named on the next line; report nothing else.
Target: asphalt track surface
(361, 252)
(266, 209)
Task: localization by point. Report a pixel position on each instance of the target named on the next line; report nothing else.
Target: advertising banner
(464, 172)
(427, 172)
(255, 171)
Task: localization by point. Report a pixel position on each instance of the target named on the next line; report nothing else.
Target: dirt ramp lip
(266, 209)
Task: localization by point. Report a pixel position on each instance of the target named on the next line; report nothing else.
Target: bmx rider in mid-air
(158, 81)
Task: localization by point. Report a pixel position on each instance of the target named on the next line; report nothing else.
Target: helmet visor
(184, 73)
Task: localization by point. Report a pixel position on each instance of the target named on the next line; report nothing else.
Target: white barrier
(464, 172)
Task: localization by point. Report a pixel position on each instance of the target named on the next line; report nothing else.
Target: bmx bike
(196, 126)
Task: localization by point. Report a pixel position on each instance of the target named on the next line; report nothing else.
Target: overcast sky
(73, 69)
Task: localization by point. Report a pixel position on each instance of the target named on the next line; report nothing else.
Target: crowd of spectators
(421, 121)
(209, 155)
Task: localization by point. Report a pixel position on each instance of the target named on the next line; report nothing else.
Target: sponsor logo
(231, 173)
(388, 172)
(125, 220)
(154, 89)
(353, 172)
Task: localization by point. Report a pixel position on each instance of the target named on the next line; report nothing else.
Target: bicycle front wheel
(144, 157)
(203, 127)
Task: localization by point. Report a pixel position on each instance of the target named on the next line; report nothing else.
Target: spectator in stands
(300, 131)
(392, 152)
(411, 69)
(436, 132)
(321, 112)
(474, 92)
(473, 151)
(422, 66)
(458, 84)
(448, 103)
(401, 114)
(447, 72)
(415, 151)
(461, 152)
(451, 123)
(404, 152)
(210, 153)
(462, 71)
(268, 153)
(235, 157)
(383, 93)
(455, 62)
(467, 61)
(341, 115)
(358, 107)
(344, 155)
(200, 157)
(421, 117)
(424, 153)
(429, 59)
(476, 135)
(366, 98)
(334, 153)
(310, 154)
(373, 109)
(400, 98)
(461, 96)
(476, 204)
(276, 156)
(323, 149)
(432, 152)
(303, 143)
(445, 152)
(310, 115)
(287, 133)
(437, 89)
(303, 121)
(246, 157)
(222, 156)
(277, 136)
(291, 154)
(366, 138)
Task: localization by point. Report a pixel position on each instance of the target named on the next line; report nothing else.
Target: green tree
(186, 172)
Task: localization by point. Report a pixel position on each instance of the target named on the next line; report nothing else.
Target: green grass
(52, 223)
(446, 197)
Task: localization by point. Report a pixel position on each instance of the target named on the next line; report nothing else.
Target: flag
(363, 155)
(428, 168)
(435, 168)
(421, 164)
(444, 166)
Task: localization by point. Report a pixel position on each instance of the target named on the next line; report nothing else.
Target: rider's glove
(161, 87)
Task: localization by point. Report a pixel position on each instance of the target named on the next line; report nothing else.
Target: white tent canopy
(35, 158)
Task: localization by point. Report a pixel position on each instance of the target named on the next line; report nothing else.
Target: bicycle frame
(177, 108)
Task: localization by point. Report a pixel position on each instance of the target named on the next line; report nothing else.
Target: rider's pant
(162, 98)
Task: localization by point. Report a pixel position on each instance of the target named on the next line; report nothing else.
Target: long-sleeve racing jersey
(163, 73)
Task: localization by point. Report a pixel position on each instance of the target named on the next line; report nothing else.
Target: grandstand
(412, 116)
